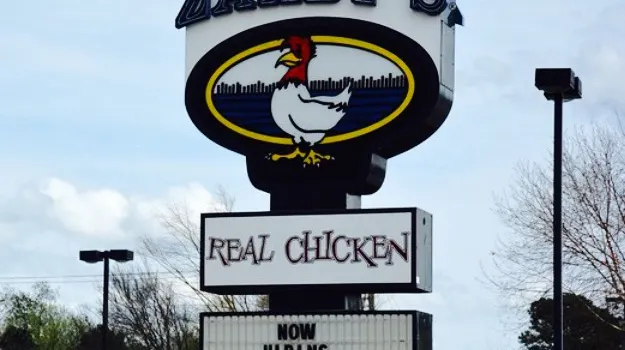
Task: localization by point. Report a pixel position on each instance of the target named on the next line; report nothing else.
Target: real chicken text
(308, 247)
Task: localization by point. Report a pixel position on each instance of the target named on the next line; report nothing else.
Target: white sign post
(317, 95)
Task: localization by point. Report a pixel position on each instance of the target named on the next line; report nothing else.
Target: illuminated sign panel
(391, 330)
(316, 91)
(369, 249)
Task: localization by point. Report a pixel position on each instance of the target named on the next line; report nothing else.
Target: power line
(35, 280)
(48, 282)
(95, 275)
(69, 279)
(169, 278)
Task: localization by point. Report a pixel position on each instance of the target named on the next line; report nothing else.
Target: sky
(94, 140)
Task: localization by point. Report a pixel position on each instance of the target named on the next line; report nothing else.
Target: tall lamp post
(95, 256)
(559, 85)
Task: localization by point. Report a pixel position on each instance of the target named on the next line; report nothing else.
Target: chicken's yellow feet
(314, 158)
(296, 153)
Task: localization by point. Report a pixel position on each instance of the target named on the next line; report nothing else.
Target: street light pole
(105, 303)
(95, 256)
(559, 85)
(558, 307)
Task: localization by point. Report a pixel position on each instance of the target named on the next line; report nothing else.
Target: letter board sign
(380, 330)
(361, 250)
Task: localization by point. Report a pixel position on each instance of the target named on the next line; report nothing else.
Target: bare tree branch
(593, 221)
(149, 311)
(178, 252)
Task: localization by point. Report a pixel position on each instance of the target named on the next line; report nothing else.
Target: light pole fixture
(559, 85)
(95, 256)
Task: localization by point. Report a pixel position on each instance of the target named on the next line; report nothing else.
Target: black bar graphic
(259, 87)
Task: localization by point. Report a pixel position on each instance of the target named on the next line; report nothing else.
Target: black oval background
(409, 129)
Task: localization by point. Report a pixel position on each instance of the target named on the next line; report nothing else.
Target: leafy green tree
(92, 339)
(50, 326)
(586, 326)
(13, 338)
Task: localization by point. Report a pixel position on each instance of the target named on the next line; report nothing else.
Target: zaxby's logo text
(199, 10)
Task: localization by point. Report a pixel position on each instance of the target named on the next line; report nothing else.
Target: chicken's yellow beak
(288, 59)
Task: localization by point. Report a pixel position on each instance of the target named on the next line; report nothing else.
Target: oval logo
(310, 83)
(249, 93)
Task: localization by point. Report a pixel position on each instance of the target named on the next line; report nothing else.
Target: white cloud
(196, 198)
(97, 213)
(606, 61)
(44, 225)
(193, 198)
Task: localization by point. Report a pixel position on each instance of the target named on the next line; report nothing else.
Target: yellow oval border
(321, 39)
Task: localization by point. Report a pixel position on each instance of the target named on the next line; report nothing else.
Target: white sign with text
(392, 330)
(350, 247)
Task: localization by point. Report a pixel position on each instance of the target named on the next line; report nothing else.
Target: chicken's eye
(298, 51)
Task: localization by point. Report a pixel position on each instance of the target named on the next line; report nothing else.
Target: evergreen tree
(586, 326)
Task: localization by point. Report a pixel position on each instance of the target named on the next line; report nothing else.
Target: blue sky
(94, 134)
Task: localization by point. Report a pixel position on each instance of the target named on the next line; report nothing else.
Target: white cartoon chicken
(307, 119)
